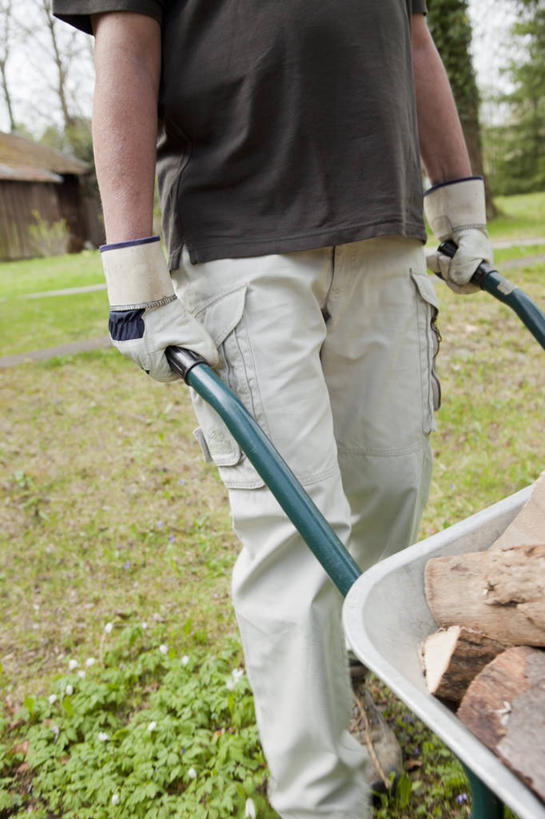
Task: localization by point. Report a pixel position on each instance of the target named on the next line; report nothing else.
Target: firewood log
(453, 657)
(504, 707)
(500, 592)
(528, 527)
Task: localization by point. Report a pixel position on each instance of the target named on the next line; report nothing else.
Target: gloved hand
(145, 314)
(456, 210)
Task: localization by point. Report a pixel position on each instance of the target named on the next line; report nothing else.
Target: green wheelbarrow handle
(269, 464)
(487, 278)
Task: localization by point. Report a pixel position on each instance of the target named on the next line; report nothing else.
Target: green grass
(110, 516)
(33, 324)
(520, 217)
(59, 272)
(28, 324)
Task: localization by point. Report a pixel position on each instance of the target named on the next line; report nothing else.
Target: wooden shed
(39, 188)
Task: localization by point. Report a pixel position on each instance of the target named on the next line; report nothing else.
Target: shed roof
(21, 159)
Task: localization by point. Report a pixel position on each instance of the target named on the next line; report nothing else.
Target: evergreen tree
(519, 165)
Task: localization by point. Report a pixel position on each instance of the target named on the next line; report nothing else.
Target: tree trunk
(505, 708)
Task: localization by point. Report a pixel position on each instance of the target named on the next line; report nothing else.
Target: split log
(499, 592)
(505, 708)
(453, 657)
(528, 527)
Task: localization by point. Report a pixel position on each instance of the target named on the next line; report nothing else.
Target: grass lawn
(28, 323)
(116, 545)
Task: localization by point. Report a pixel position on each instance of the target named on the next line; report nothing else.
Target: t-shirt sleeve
(78, 12)
(419, 7)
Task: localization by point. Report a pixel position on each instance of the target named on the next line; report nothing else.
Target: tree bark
(505, 708)
(499, 592)
(453, 657)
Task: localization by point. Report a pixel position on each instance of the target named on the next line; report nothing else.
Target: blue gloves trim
(126, 325)
(146, 241)
(451, 182)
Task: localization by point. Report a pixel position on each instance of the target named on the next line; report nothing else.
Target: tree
(451, 29)
(58, 70)
(6, 8)
(519, 165)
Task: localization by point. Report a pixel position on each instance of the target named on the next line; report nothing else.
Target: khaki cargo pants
(332, 350)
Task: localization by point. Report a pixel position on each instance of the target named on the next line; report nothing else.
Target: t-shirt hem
(238, 249)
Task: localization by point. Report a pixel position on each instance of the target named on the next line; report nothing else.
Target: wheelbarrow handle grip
(183, 360)
(487, 278)
(449, 248)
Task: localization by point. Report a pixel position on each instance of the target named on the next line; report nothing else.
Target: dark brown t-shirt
(285, 124)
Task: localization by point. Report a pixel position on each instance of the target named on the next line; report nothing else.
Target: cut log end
(453, 657)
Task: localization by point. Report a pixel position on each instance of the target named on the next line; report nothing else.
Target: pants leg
(324, 346)
(266, 316)
(378, 362)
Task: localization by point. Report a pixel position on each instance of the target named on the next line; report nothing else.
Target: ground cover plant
(122, 680)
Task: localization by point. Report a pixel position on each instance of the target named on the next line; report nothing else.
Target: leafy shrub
(48, 239)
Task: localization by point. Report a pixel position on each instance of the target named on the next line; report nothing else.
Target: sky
(35, 104)
(491, 21)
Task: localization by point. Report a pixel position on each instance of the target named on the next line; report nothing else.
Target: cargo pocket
(429, 340)
(223, 317)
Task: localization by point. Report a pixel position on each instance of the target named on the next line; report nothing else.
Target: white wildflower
(108, 628)
(163, 649)
(81, 674)
(72, 664)
(237, 674)
(144, 625)
(152, 726)
(115, 799)
(52, 698)
(69, 690)
(249, 810)
(102, 736)
(192, 773)
(91, 660)
(185, 659)
(230, 684)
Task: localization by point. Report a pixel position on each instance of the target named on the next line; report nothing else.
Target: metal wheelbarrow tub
(386, 618)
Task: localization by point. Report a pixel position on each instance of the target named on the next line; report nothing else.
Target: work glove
(456, 210)
(146, 316)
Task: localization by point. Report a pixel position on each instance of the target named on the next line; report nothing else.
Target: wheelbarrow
(387, 638)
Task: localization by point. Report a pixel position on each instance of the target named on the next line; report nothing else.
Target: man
(289, 147)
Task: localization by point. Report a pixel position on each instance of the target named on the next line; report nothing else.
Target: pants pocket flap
(425, 288)
(223, 313)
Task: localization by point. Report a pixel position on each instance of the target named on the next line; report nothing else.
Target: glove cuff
(136, 273)
(456, 205)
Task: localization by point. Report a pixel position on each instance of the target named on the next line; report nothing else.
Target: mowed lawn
(109, 515)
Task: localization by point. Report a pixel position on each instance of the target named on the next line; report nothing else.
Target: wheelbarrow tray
(386, 618)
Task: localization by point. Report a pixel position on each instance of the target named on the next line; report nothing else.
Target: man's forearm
(442, 143)
(127, 59)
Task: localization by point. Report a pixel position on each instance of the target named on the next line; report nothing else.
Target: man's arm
(455, 204)
(128, 64)
(146, 317)
(442, 143)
